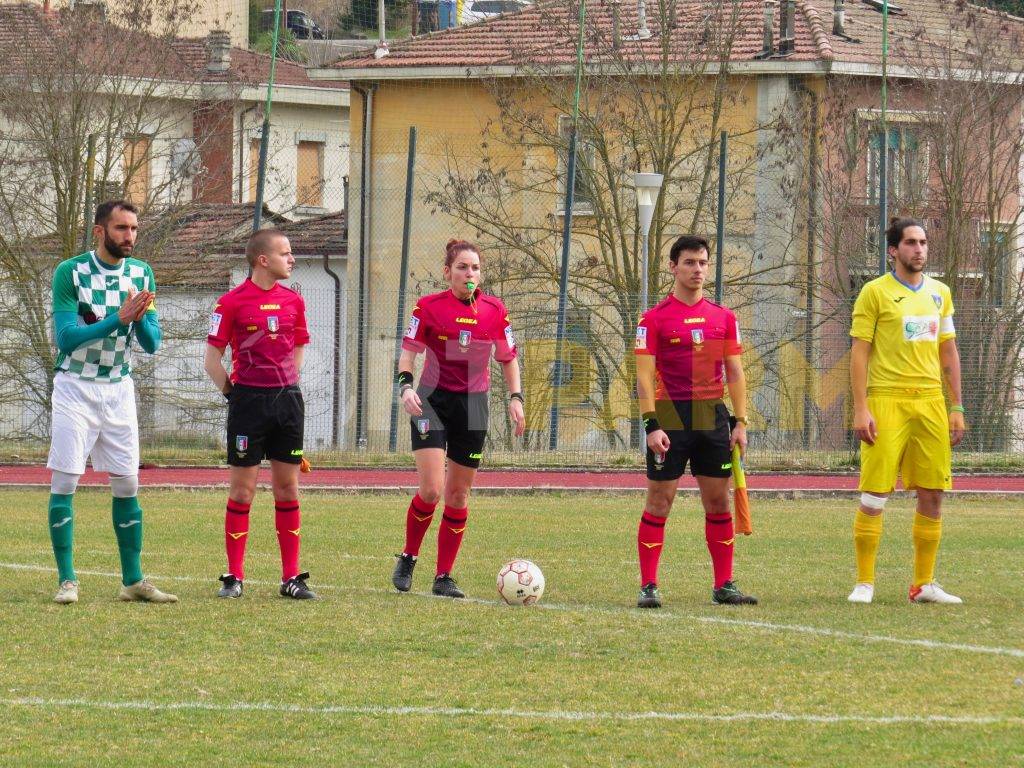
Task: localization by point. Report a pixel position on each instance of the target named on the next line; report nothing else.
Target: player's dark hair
(260, 242)
(687, 243)
(106, 209)
(894, 234)
(455, 247)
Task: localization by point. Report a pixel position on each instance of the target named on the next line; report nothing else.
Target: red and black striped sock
(236, 534)
(417, 521)
(289, 522)
(449, 537)
(650, 540)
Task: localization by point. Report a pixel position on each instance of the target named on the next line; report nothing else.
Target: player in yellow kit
(904, 345)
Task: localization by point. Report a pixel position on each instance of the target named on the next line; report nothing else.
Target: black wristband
(651, 422)
(404, 377)
(517, 396)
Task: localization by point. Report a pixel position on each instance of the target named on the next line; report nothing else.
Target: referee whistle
(471, 285)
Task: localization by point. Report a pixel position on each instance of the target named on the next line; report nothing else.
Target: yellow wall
(450, 117)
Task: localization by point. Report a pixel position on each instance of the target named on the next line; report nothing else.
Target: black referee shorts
(265, 422)
(455, 421)
(699, 433)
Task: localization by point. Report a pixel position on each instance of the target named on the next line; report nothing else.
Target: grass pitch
(366, 676)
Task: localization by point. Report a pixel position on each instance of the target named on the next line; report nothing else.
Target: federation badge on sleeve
(510, 339)
(423, 427)
(215, 319)
(464, 338)
(641, 337)
(273, 324)
(414, 325)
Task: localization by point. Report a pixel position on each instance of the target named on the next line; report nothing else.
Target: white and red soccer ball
(520, 582)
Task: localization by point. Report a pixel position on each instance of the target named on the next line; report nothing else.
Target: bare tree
(954, 143)
(651, 102)
(83, 97)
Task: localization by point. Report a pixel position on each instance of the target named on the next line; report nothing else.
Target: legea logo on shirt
(921, 327)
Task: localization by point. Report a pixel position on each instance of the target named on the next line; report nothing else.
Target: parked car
(478, 10)
(300, 23)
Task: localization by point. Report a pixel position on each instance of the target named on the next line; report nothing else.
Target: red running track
(351, 479)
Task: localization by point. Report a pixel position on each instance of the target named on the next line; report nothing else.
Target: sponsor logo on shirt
(938, 300)
(270, 306)
(898, 299)
(215, 319)
(273, 324)
(464, 338)
(510, 339)
(692, 320)
(920, 327)
(414, 326)
(466, 320)
(641, 337)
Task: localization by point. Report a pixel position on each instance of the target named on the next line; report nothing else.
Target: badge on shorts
(659, 461)
(464, 338)
(272, 324)
(241, 443)
(697, 336)
(423, 426)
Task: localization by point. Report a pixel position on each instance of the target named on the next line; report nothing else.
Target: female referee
(448, 410)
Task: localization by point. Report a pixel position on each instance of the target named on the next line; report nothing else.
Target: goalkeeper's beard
(114, 249)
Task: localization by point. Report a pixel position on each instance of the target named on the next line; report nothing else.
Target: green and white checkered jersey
(85, 285)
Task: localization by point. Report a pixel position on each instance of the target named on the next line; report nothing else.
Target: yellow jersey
(904, 327)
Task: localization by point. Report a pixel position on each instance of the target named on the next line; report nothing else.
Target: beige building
(229, 15)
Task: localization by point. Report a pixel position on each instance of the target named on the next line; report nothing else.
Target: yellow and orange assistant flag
(740, 500)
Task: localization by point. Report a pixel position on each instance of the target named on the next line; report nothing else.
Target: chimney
(218, 46)
(642, 32)
(769, 28)
(616, 26)
(787, 39)
(839, 18)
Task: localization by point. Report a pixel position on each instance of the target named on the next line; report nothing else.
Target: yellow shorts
(913, 441)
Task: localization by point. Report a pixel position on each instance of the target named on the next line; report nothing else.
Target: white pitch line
(937, 645)
(522, 714)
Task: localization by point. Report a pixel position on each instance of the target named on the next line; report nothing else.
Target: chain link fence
(793, 302)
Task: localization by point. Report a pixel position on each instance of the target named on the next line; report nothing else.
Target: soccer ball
(520, 582)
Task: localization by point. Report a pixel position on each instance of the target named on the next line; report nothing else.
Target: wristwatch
(741, 420)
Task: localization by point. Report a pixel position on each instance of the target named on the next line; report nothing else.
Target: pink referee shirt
(458, 338)
(263, 329)
(689, 345)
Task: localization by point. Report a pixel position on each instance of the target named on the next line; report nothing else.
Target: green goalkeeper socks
(62, 535)
(127, 516)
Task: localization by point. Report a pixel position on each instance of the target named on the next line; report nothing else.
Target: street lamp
(647, 187)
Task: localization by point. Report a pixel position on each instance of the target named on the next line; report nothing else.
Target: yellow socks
(867, 532)
(927, 533)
